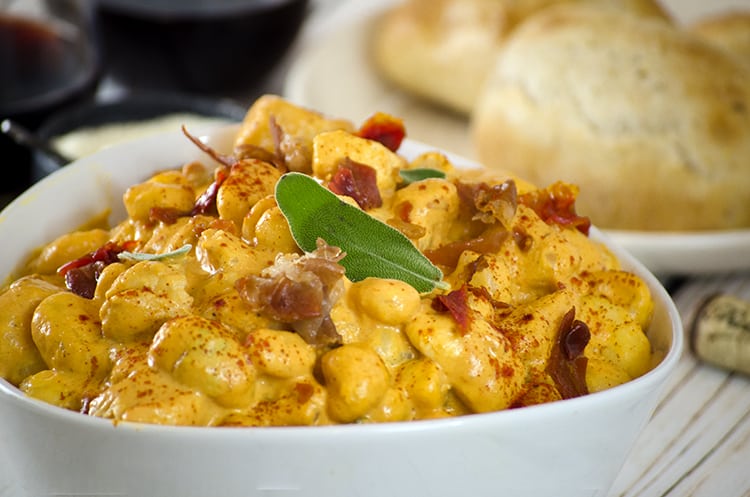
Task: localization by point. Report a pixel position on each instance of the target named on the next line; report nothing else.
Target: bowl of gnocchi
(302, 305)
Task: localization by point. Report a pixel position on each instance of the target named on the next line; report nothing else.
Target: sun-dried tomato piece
(82, 280)
(385, 129)
(556, 205)
(107, 253)
(358, 181)
(82, 274)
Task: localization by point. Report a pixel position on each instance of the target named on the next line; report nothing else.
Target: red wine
(42, 69)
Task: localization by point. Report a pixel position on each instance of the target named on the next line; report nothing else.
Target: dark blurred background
(62, 59)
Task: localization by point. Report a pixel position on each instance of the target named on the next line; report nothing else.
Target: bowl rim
(136, 106)
(654, 378)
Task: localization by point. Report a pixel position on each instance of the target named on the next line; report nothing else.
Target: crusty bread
(442, 50)
(730, 30)
(652, 122)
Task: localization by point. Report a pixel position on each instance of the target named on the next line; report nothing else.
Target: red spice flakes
(304, 392)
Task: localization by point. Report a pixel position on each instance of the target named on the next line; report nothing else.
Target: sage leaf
(141, 256)
(418, 174)
(373, 249)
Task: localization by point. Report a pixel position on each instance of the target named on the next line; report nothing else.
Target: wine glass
(49, 59)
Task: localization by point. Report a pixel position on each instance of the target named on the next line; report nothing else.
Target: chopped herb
(418, 174)
(140, 256)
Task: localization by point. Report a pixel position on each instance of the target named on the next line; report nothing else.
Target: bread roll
(651, 122)
(442, 50)
(730, 30)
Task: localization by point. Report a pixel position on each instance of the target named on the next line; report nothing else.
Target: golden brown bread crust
(730, 31)
(442, 50)
(651, 122)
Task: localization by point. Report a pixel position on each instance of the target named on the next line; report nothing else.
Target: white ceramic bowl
(568, 448)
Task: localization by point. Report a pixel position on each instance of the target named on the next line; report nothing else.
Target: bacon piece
(207, 201)
(457, 303)
(358, 181)
(299, 291)
(567, 364)
(383, 128)
(556, 205)
(488, 203)
(488, 242)
(496, 202)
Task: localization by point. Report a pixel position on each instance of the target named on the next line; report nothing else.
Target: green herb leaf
(418, 174)
(372, 248)
(140, 256)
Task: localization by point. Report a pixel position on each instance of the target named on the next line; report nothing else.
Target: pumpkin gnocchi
(201, 309)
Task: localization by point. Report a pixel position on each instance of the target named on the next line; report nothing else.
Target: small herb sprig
(141, 256)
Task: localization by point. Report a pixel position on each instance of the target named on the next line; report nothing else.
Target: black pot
(216, 47)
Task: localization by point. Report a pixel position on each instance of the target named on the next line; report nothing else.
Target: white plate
(683, 253)
(331, 73)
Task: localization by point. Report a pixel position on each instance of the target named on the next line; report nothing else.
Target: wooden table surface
(698, 440)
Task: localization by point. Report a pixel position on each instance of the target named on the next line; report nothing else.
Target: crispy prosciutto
(493, 207)
(385, 129)
(556, 205)
(358, 181)
(457, 304)
(567, 364)
(300, 291)
(290, 153)
(207, 201)
(488, 242)
(488, 203)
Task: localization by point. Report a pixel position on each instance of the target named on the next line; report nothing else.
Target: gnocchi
(201, 309)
